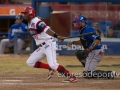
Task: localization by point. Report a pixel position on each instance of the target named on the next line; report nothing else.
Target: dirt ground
(38, 81)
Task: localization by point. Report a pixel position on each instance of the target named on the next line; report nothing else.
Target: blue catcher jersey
(88, 40)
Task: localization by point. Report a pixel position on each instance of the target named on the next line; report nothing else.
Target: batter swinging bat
(86, 34)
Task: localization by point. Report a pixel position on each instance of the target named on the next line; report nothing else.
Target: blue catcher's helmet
(19, 16)
(77, 20)
(82, 18)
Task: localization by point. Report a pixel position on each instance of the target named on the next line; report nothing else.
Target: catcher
(92, 53)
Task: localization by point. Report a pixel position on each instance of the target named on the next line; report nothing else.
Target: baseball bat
(85, 34)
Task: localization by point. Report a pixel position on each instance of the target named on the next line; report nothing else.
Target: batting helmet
(30, 11)
(78, 19)
(82, 18)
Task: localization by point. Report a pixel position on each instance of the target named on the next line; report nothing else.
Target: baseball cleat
(71, 79)
(111, 74)
(51, 73)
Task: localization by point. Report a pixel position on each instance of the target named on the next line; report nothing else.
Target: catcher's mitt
(81, 54)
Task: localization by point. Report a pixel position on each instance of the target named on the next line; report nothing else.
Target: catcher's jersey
(88, 40)
(38, 30)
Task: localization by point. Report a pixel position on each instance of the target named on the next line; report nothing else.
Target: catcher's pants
(93, 59)
(47, 50)
(6, 44)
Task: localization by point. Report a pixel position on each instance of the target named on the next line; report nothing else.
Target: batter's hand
(60, 38)
(70, 43)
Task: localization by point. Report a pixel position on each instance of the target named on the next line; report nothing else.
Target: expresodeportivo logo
(79, 74)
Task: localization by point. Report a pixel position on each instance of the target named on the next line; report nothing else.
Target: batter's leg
(34, 59)
(51, 59)
(3, 44)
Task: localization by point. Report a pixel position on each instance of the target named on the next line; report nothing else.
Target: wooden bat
(85, 34)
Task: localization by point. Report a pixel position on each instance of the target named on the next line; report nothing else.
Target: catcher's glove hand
(81, 54)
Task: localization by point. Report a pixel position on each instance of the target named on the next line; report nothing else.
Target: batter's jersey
(38, 30)
(88, 40)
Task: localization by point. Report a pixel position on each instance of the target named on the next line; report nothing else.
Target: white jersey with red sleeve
(38, 30)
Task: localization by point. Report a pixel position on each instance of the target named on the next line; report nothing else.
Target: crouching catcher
(93, 52)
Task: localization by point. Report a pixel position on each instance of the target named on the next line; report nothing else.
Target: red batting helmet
(30, 11)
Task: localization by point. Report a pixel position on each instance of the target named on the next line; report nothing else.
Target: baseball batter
(92, 45)
(43, 36)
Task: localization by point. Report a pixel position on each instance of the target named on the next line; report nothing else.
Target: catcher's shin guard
(81, 56)
(83, 62)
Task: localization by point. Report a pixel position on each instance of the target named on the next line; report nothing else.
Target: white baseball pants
(49, 51)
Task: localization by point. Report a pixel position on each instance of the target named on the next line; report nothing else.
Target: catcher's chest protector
(83, 41)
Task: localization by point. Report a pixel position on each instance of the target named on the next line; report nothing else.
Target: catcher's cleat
(71, 79)
(51, 73)
(111, 74)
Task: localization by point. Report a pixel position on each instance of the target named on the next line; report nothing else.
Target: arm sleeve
(42, 27)
(93, 37)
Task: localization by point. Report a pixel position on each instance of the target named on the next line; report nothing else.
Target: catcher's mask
(76, 22)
